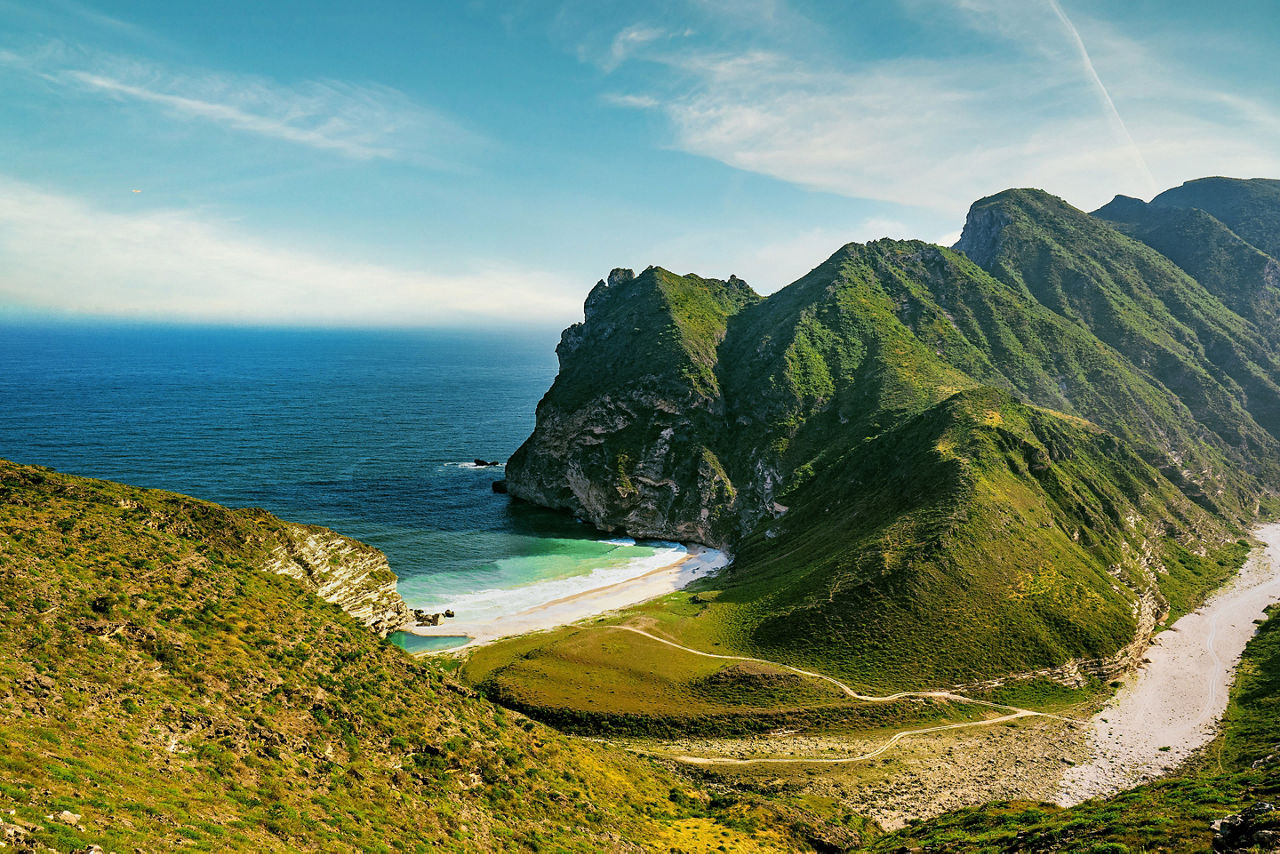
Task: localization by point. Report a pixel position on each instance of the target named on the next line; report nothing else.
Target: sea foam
(495, 603)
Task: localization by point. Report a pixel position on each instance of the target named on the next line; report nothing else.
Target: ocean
(371, 433)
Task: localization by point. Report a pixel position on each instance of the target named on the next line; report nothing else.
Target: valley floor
(1168, 709)
(1172, 705)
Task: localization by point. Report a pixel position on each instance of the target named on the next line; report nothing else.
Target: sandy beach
(698, 562)
(1172, 706)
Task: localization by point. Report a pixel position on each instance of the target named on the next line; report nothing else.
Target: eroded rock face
(577, 462)
(983, 230)
(634, 455)
(346, 572)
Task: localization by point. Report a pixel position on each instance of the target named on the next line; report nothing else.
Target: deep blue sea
(372, 434)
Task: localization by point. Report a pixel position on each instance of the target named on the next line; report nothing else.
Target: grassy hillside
(157, 683)
(1246, 279)
(1026, 528)
(1165, 323)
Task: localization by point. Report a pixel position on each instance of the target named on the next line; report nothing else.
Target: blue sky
(483, 163)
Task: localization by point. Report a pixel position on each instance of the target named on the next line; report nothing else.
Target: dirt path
(898, 736)
(869, 698)
(1014, 711)
(1172, 706)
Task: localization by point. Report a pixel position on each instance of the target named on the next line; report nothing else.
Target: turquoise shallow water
(419, 643)
(369, 433)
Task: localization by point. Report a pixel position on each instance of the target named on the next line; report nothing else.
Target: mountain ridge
(809, 388)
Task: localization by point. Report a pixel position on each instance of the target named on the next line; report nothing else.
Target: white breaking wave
(495, 603)
(473, 467)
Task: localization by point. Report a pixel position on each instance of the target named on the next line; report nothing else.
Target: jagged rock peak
(980, 239)
(618, 277)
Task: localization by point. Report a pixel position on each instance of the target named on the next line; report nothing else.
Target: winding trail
(894, 739)
(1014, 711)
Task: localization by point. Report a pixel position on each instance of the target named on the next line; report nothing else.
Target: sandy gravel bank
(1172, 706)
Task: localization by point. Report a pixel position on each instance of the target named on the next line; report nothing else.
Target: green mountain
(1164, 322)
(1248, 207)
(1245, 278)
(1026, 450)
(169, 681)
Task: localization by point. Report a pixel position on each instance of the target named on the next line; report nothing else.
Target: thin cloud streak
(233, 117)
(938, 133)
(1108, 103)
(362, 122)
(65, 256)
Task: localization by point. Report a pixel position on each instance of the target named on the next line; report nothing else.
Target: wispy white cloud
(939, 132)
(1108, 103)
(640, 102)
(64, 255)
(360, 121)
(627, 41)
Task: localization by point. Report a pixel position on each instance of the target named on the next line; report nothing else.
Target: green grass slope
(1007, 536)
(157, 683)
(994, 333)
(1246, 279)
(1249, 207)
(1142, 305)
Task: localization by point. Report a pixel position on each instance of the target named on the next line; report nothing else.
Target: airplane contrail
(1110, 105)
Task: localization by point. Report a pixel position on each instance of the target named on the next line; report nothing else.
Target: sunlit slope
(157, 683)
(978, 538)
(1165, 323)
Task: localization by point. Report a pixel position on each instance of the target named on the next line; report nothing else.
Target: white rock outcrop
(346, 572)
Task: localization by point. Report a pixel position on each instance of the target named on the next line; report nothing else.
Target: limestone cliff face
(632, 454)
(348, 573)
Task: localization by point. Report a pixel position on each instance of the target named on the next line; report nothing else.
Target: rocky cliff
(624, 437)
(348, 573)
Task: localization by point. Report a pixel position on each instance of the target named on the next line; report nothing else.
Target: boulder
(500, 486)
(1245, 831)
